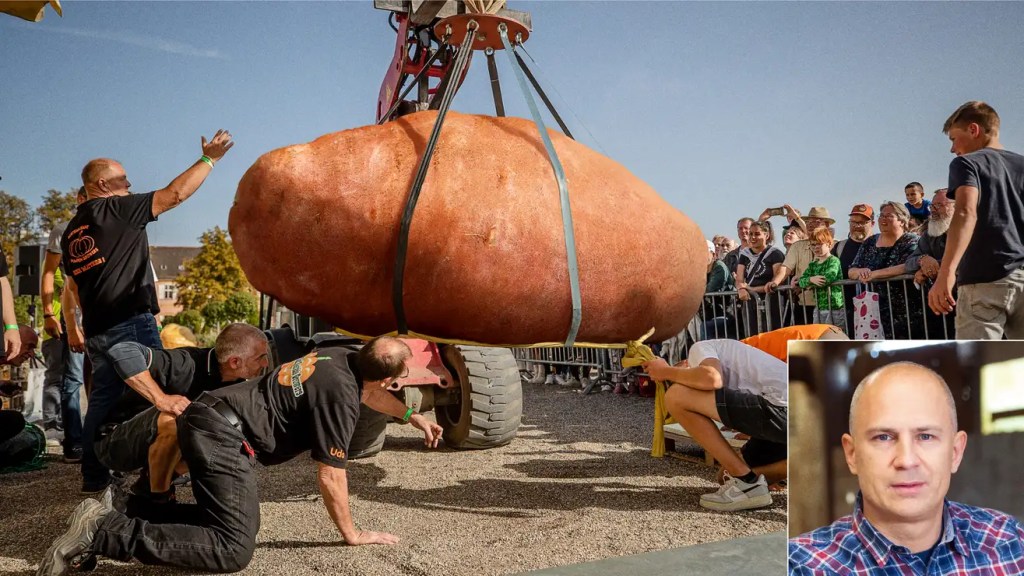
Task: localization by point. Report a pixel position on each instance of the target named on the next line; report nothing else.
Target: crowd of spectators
(755, 284)
(952, 265)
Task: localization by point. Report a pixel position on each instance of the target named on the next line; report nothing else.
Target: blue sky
(724, 108)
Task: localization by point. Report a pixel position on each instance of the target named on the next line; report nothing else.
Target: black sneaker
(71, 549)
(91, 488)
(74, 455)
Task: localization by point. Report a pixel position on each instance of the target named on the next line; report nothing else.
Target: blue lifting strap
(563, 192)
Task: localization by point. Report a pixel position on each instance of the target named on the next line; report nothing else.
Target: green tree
(57, 207)
(213, 314)
(188, 318)
(17, 225)
(213, 275)
(242, 307)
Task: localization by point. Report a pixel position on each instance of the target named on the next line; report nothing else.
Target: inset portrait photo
(905, 457)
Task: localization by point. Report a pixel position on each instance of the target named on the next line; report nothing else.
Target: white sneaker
(550, 379)
(736, 494)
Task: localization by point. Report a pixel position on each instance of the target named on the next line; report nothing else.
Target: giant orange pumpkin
(316, 226)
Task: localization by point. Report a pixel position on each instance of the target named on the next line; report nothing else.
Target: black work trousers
(218, 532)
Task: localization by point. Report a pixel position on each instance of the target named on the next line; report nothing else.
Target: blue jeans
(64, 375)
(107, 387)
(70, 395)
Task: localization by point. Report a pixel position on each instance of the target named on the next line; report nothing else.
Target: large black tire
(368, 438)
(491, 398)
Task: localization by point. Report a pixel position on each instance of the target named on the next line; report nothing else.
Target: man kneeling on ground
(741, 387)
(309, 404)
(170, 380)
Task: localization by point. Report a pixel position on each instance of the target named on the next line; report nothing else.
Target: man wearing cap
(798, 257)
(862, 226)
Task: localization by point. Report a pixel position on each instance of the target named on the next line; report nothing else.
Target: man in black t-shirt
(862, 225)
(985, 244)
(310, 404)
(169, 380)
(106, 259)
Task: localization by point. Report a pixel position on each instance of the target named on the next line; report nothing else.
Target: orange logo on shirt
(338, 453)
(294, 373)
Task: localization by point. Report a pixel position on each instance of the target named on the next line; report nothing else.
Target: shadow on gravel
(296, 544)
(509, 498)
(615, 464)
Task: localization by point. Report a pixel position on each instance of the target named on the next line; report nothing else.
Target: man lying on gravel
(309, 404)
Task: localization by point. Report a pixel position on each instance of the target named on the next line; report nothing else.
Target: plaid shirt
(974, 542)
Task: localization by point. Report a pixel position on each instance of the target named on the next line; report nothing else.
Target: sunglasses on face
(121, 180)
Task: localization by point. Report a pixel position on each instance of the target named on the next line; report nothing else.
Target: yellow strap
(636, 354)
(437, 340)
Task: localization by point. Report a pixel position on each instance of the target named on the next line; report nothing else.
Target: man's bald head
(98, 168)
(383, 357)
(896, 372)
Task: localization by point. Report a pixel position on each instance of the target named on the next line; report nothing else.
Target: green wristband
(207, 159)
(15, 327)
(408, 414)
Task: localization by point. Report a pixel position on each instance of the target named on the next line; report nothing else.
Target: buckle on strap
(221, 407)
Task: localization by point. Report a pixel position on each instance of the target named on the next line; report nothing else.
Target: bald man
(108, 272)
(903, 446)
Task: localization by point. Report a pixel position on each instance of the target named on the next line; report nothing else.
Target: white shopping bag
(867, 319)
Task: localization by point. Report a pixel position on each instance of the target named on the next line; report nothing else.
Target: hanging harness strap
(492, 71)
(398, 285)
(543, 96)
(563, 191)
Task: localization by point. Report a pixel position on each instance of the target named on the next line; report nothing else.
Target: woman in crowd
(791, 233)
(882, 256)
(756, 268)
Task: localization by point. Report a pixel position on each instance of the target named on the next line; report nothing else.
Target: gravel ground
(578, 484)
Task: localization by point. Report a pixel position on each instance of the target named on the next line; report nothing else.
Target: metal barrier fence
(902, 306)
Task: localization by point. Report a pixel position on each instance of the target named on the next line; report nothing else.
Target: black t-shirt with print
(309, 404)
(106, 252)
(758, 271)
(186, 371)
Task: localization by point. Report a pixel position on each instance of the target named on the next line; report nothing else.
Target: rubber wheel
(491, 399)
(368, 438)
